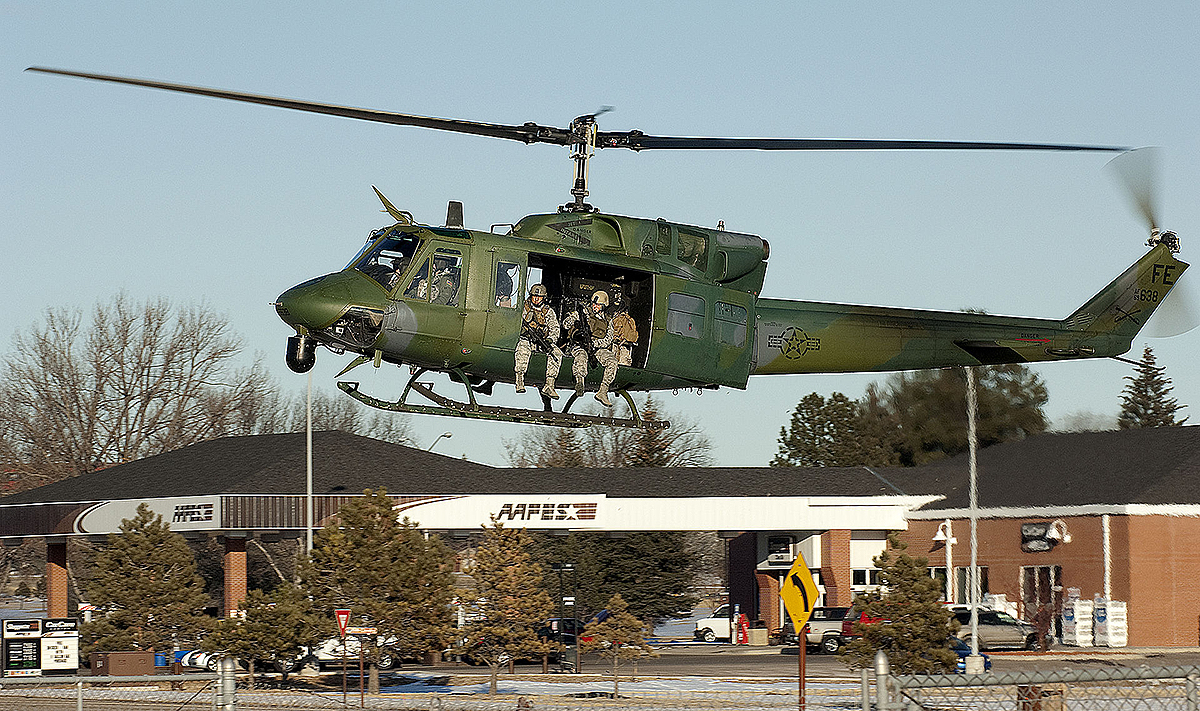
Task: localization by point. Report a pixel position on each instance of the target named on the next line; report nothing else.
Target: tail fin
(1122, 308)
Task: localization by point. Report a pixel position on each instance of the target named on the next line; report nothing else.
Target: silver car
(997, 630)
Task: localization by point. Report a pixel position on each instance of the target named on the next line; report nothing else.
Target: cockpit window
(387, 259)
(441, 284)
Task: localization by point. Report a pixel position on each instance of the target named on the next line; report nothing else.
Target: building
(1110, 513)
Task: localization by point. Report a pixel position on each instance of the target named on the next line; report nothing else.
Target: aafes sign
(192, 513)
(572, 511)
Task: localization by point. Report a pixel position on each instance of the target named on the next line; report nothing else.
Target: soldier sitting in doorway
(592, 337)
(539, 331)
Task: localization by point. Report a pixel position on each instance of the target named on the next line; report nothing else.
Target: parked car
(963, 650)
(330, 653)
(997, 630)
(824, 629)
(563, 630)
(715, 626)
(855, 615)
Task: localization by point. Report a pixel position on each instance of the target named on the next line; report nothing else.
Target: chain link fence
(1108, 689)
(186, 692)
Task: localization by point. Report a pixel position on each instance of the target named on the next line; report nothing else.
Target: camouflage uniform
(445, 284)
(626, 335)
(539, 317)
(600, 329)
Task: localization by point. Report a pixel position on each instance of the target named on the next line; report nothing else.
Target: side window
(685, 315)
(664, 238)
(446, 278)
(693, 249)
(508, 285)
(729, 321)
(418, 288)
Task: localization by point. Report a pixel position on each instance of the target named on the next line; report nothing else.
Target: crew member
(625, 333)
(594, 337)
(445, 281)
(539, 331)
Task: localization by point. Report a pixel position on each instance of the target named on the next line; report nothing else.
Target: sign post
(799, 594)
(343, 619)
(361, 633)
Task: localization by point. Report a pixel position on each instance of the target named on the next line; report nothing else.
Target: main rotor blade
(637, 141)
(526, 133)
(535, 133)
(1138, 172)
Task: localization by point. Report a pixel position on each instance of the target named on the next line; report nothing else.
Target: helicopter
(447, 299)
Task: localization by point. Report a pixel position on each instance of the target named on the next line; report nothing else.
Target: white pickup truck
(824, 629)
(715, 626)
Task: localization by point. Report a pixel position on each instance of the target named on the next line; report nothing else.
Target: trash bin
(122, 663)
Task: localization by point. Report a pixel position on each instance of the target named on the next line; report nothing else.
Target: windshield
(388, 258)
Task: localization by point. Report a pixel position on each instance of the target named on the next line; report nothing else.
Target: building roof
(1149, 466)
(1157, 466)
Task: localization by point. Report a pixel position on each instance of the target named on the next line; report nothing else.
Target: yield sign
(343, 619)
(799, 594)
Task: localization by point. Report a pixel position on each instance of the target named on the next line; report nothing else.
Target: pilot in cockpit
(399, 264)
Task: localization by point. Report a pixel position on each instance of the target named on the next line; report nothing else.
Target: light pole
(308, 498)
(447, 435)
(562, 617)
(973, 663)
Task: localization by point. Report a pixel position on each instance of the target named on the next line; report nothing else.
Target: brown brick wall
(235, 573)
(768, 600)
(56, 578)
(743, 562)
(836, 573)
(1164, 567)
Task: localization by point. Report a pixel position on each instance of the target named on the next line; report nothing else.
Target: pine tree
(822, 433)
(510, 603)
(651, 448)
(1145, 401)
(914, 624)
(387, 574)
(146, 589)
(278, 627)
(656, 572)
(928, 409)
(619, 637)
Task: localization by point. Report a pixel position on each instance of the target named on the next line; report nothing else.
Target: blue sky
(105, 187)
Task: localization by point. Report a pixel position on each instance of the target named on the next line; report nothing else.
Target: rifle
(537, 336)
(581, 336)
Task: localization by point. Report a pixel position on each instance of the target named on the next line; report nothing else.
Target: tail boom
(816, 337)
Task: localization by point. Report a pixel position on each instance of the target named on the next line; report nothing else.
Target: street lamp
(1058, 531)
(946, 535)
(447, 435)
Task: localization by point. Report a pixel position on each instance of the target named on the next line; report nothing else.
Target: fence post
(866, 689)
(227, 679)
(882, 671)
(1193, 692)
(79, 696)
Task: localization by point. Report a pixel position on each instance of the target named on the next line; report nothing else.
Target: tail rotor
(1138, 171)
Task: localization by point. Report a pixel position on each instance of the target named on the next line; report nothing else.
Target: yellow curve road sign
(799, 593)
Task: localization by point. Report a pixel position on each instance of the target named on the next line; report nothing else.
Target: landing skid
(449, 407)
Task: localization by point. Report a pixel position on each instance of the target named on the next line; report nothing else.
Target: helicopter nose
(317, 303)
